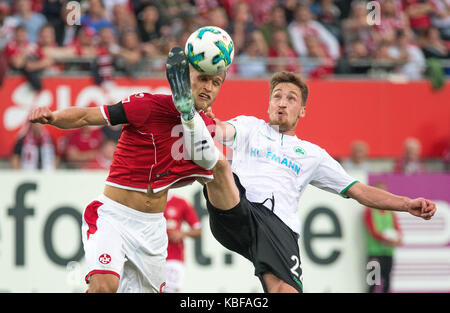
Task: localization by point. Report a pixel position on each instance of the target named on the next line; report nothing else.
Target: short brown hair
(289, 77)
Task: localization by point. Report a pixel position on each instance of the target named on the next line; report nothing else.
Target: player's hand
(209, 113)
(421, 207)
(41, 115)
(175, 235)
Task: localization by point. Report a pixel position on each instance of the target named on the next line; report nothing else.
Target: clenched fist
(423, 208)
(41, 115)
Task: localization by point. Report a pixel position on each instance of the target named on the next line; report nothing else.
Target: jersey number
(296, 265)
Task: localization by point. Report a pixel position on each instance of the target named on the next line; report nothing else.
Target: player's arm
(380, 199)
(225, 132)
(193, 232)
(72, 117)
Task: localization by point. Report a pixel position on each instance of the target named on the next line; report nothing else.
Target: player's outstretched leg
(177, 72)
(197, 140)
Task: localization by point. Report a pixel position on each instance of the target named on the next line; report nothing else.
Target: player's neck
(287, 132)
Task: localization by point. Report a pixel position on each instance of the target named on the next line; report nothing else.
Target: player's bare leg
(276, 285)
(103, 283)
(222, 190)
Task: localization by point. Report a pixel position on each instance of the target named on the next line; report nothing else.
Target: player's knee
(103, 284)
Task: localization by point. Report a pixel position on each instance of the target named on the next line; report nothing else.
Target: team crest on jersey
(299, 150)
(104, 258)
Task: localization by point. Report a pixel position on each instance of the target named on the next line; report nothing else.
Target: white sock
(198, 142)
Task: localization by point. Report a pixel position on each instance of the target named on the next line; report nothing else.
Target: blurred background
(378, 73)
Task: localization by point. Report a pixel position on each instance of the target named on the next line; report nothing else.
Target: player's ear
(302, 111)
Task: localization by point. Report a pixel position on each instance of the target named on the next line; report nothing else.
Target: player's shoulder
(147, 96)
(247, 120)
(307, 147)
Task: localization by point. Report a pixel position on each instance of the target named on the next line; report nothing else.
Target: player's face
(285, 107)
(205, 88)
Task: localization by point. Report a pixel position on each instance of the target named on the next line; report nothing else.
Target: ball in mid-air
(210, 50)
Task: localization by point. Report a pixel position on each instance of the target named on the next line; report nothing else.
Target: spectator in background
(392, 20)
(251, 61)
(104, 156)
(31, 20)
(206, 6)
(48, 48)
(408, 54)
(139, 5)
(82, 146)
(304, 26)
(84, 44)
(189, 20)
(358, 157)
(129, 58)
(289, 10)
(419, 13)
(441, 19)
(384, 61)
(261, 10)
(432, 44)
(109, 6)
(276, 23)
(241, 26)
(382, 236)
(66, 34)
(149, 24)
(217, 16)
(410, 162)
(7, 26)
(34, 149)
(323, 64)
(107, 50)
(95, 17)
(328, 14)
(357, 60)
(52, 10)
(356, 28)
(282, 56)
(25, 57)
(177, 212)
(123, 19)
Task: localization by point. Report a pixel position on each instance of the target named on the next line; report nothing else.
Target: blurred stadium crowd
(316, 38)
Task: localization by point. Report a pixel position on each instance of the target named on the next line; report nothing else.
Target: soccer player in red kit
(124, 230)
(177, 212)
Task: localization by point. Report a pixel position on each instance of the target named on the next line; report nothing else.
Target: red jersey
(150, 148)
(178, 211)
(86, 139)
(13, 48)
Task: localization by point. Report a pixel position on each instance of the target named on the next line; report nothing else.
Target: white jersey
(272, 164)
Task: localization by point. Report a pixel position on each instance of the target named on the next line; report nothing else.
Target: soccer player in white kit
(253, 202)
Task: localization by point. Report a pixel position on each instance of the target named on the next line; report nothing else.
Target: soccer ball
(210, 50)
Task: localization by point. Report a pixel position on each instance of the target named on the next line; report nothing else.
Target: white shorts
(175, 274)
(127, 243)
